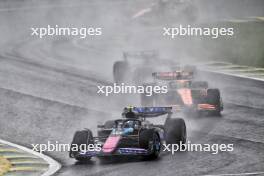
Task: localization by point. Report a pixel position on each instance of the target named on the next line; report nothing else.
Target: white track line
(54, 166)
(239, 174)
(241, 76)
(235, 75)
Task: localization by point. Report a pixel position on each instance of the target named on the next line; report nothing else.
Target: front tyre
(150, 140)
(80, 140)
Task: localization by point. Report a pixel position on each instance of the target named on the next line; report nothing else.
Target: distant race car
(136, 67)
(132, 135)
(193, 96)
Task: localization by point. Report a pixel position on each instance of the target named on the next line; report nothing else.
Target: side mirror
(100, 126)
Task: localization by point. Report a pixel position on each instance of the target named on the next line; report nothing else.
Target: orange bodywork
(206, 107)
(186, 96)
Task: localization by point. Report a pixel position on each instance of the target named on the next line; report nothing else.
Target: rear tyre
(175, 131)
(119, 71)
(150, 140)
(214, 98)
(81, 140)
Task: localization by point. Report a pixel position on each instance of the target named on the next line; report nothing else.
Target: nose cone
(111, 144)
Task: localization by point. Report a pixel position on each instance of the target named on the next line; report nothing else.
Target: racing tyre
(213, 97)
(81, 137)
(119, 71)
(175, 131)
(150, 140)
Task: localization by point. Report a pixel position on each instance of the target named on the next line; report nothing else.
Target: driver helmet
(129, 124)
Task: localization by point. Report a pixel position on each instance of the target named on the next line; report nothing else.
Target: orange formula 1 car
(192, 96)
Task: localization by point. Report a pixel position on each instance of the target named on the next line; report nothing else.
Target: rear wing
(147, 111)
(147, 54)
(174, 75)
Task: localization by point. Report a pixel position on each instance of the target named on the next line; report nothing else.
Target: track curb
(223, 71)
(54, 166)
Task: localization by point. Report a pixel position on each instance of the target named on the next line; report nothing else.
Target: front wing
(117, 152)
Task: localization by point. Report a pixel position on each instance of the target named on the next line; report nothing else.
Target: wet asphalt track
(48, 90)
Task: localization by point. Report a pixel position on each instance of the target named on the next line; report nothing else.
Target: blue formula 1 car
(131, 135)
